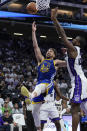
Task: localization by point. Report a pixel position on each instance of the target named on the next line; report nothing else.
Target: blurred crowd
(18, 67)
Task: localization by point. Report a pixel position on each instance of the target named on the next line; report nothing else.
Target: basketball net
(42, 4)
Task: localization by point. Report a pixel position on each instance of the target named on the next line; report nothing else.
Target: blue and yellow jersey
(46, 71)
(40, 98)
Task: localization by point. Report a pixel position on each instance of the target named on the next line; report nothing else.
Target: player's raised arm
(59, 93)
(60, 63)
(60, 30)
(37, 51)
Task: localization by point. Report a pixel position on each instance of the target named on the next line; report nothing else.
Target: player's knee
(34, 94)
(75, 108)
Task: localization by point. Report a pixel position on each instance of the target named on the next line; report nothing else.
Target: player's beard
(48, 57)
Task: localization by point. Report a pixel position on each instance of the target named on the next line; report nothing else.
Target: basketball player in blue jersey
(78, 79)
(46, 67)
(46, 73)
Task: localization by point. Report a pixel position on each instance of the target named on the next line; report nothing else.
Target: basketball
(31, 8)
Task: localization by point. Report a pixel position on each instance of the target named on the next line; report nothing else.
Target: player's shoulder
(39, 63)
(77, 48)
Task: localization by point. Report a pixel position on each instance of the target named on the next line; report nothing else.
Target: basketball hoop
(42, 4)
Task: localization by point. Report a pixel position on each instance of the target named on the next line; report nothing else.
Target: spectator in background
(1, 101)
(9, 102)
(13, 75)
(1, 104)
(1, 75)
(16, 109)
(3, 88)
(63, 86)
(16, 81)
(7, 120)
(7, 78)
(1, 124)
(6, 107)
(18, 112)
(11, 86)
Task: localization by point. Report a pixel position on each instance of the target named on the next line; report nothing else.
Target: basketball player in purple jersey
(78, 79)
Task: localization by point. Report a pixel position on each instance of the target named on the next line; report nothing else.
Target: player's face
(50, 54)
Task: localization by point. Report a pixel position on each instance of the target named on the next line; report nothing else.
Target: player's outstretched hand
(54, 13)
(34, 26)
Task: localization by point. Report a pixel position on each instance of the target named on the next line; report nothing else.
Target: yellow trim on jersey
(43, 60)
(47, 91)
(45, 84)
(54, 63)
(37, 102)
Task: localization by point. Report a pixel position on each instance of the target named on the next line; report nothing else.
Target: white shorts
(40, 88)
(79, 90)
(36, 113)
(48, 110)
